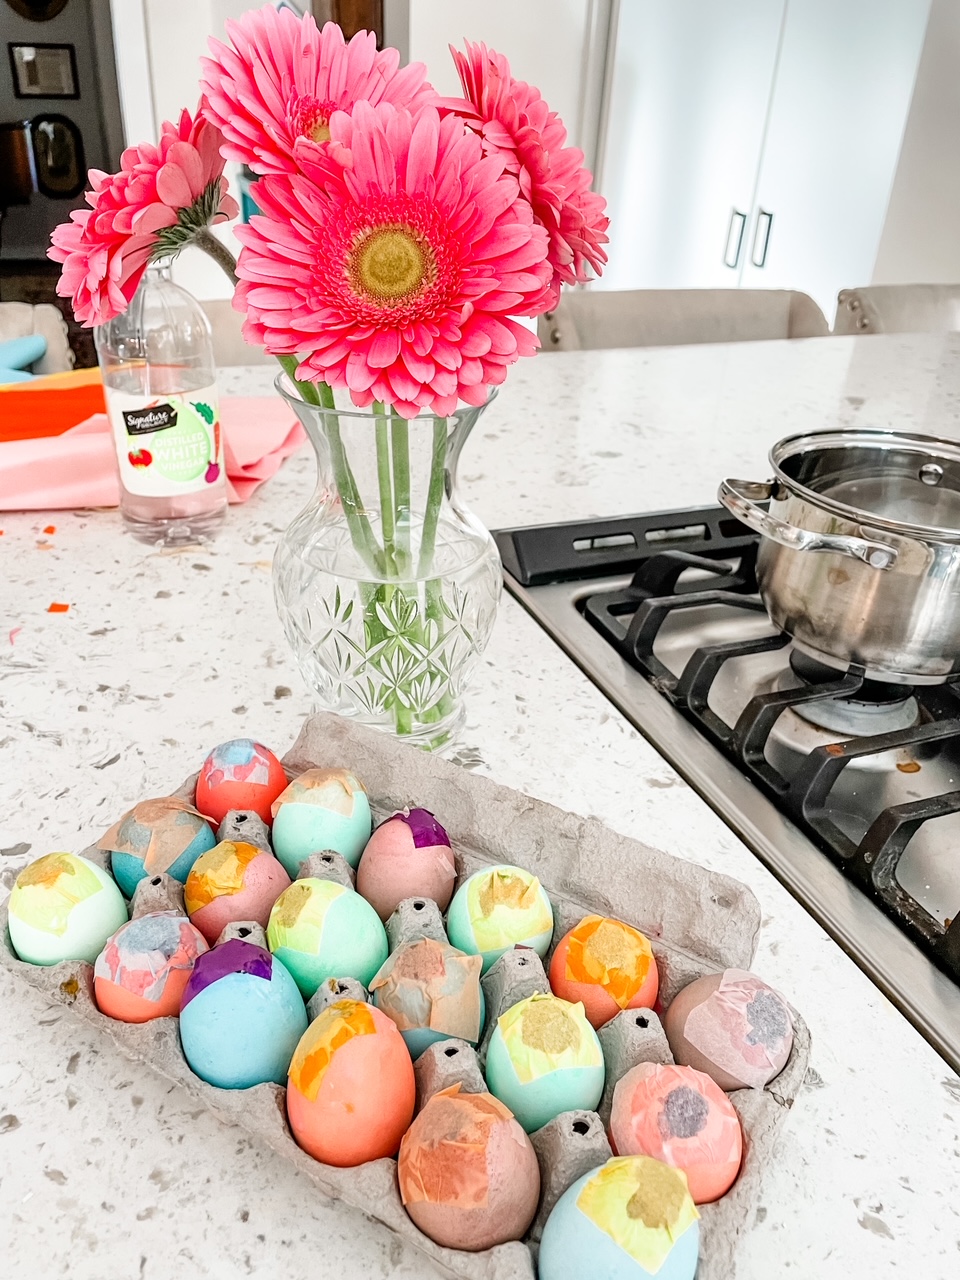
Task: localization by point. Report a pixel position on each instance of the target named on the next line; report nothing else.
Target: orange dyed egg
(607, 966)
(351, 1090)
(240, 774)
(141, 972)
(681, 1117)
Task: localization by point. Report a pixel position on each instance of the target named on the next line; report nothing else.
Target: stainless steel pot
(859, 557)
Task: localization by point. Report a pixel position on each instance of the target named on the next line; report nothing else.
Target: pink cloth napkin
(77, 469)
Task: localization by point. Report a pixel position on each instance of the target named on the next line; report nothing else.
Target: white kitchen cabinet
(780, 117)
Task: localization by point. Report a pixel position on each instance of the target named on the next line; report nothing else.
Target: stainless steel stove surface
(846, 788)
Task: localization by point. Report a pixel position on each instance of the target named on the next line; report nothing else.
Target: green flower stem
(208, 242)
(361, 534)
(385, 483)
(431, 516)
(400, 441)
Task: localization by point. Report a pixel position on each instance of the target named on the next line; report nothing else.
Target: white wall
(920, 242)
(547, 43)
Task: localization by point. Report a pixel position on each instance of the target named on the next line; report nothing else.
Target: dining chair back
(25, 320)
(586, 319)
(898, 308)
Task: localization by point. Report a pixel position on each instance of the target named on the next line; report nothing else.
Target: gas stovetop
(847, 788)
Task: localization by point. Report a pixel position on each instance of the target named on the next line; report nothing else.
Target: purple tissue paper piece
(235, 956)
(424, 828)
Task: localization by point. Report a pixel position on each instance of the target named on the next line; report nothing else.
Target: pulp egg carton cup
(698, 922)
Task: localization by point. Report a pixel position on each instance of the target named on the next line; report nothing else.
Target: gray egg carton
(698, 922)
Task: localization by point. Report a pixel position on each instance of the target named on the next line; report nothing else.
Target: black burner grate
(711, 561)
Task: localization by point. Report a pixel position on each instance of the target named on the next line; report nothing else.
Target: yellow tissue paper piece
(506, 905)
(334, 1027)
(298, 915)
(611, 954)
(544, 1033)
(218, 873)
(642, 1205)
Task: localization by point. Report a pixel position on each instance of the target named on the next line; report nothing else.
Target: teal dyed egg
(631, 1218)
(241, 1017)
(431, 991)
(322, 809)
(322, 930)
(544, 1058)
(157, 836)
(497, 909)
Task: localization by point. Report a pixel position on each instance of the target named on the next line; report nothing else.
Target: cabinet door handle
(734, 245)
(761, 238)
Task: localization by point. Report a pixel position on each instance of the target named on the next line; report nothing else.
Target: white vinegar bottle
(161, 391)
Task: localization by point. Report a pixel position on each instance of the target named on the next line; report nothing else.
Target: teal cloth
(18, 353)
(14, 375)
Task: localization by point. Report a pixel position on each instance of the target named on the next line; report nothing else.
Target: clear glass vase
(386, 586)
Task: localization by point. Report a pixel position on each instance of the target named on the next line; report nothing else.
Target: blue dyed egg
(241, 1017)
(157, 836)
(322, 809)
(631, 1218)
(544, 1058)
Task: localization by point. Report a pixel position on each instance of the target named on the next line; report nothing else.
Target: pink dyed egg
(732, 1026)
(468, 1173)
(680, 1116)
(232, 882)
(408, 856)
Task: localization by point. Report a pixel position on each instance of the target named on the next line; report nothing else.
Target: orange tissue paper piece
(335, 1026)
(58, 608)
(443, 1159)
(610, 953)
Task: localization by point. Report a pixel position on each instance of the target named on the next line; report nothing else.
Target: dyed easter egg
(679, 1116)
(239, 774)
(633, 1217)
(468, 1173)
(732, 1026)
(351, 1090)
(408, 856)
(321, 930)
(63, 908)
(607, 966)
(166, 835)
(497, 909)
(431, 991)
(322, 809)
(142, 971)
(232, 882)
(241, 1017)
(544, 1057)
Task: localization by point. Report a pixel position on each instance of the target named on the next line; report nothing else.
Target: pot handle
(740, 497)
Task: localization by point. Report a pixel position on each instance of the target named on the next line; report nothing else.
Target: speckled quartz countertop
(106, 1171)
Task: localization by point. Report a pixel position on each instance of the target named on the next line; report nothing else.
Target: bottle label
(167, 445)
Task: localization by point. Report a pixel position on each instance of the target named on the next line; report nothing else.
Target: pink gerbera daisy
(392, 264)
(283, 79)
(515, 121)
(158, 202)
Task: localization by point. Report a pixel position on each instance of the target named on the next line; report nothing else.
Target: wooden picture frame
(44, 70)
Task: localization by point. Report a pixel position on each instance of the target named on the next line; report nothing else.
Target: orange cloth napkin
(77, 468)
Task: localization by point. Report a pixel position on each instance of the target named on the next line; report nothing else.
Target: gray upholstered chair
(24, 319)
(589, 318)
(898, 308)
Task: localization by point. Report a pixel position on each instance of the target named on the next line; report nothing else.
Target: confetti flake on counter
(58, 608)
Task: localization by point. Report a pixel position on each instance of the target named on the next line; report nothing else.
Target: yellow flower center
(320, 131)
(390, 263)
